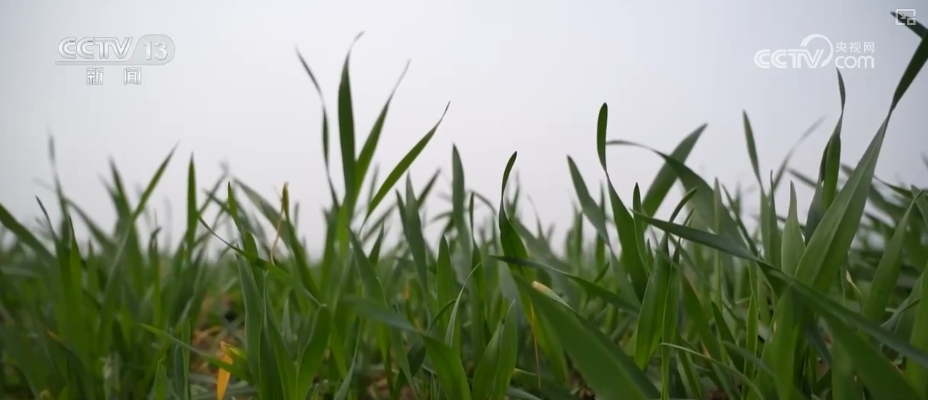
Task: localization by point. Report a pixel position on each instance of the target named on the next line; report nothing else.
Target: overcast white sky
(520, 75)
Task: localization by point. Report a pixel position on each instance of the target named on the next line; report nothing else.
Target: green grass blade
(152, 183)
(412, 228)
(346, 133)
(887, 272)
(313, 352)
(491, 378)
(23, 234)
(793, 243)
(449, 369)
(703, 200)
(235, 370)
(254, 319)
(650, 318)
(881, 377)
(911, 71)
(609, 372)
(325, 115)
(789, 154)
(370, 145)
(666, 176)
(279, 356)
(601, 124)
(752, 148)
(588, 205)
(917, 373)
(592, 289)
(625, 225)
(744, 379)
(369, 280)
(346, 383)
(825, 187)
(402, 166)
(445, 282)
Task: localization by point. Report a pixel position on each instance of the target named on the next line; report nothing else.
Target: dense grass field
(696, 306)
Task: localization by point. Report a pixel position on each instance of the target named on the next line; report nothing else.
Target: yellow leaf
(222, 377)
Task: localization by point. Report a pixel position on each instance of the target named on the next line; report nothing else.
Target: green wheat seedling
(704, 304)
